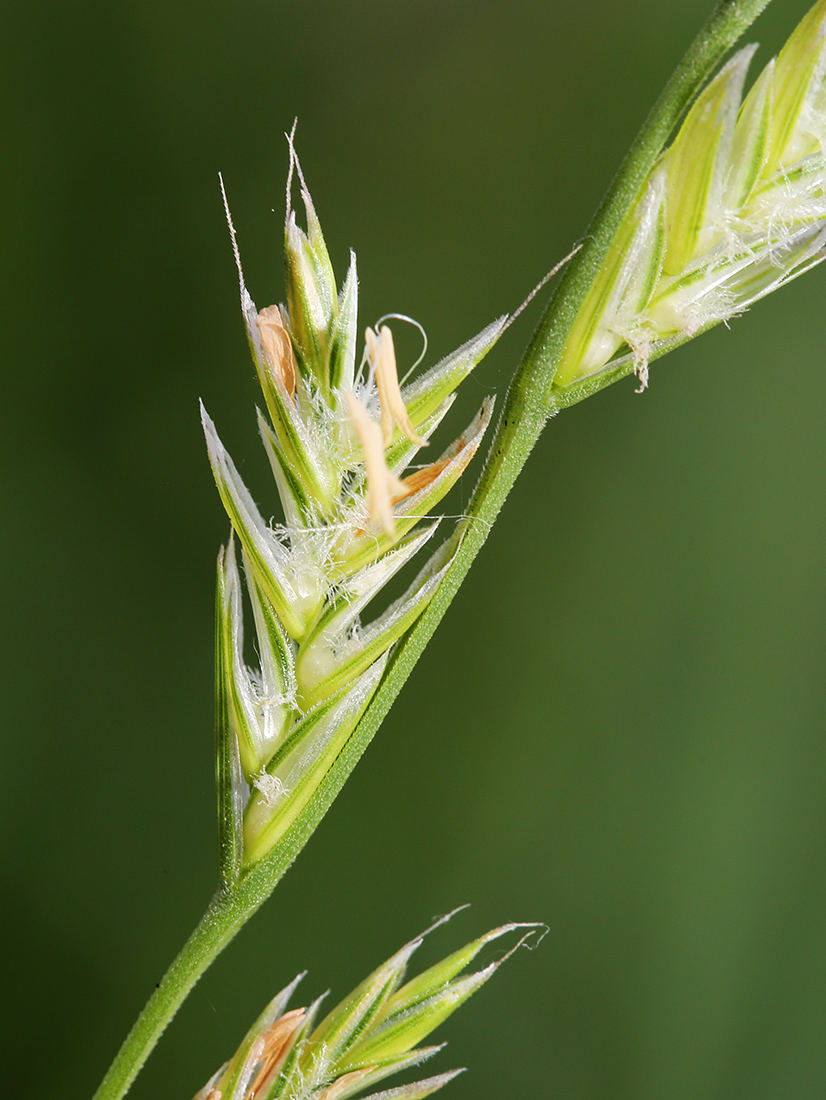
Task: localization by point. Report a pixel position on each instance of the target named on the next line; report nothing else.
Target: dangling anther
(393, 411)
(382, 484)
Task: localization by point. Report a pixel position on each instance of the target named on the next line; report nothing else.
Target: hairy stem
(531, 399)
(228, 911)
(212, 934)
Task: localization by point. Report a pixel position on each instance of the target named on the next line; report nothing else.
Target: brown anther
(393, 410)
(278, 349)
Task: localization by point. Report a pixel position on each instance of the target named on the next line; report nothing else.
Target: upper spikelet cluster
(340, 435)
(370, 1035)
(734, 208)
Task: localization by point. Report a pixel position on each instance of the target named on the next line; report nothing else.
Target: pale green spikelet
(734, 208)
(372, 1034)
(340, 438)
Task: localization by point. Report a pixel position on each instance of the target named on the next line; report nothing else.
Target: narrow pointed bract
(301, 762)
(734, 208)
(243, 700)
(334, 652)
(262, 1052)
(340, 440)
(228, 779)
(366, 1038)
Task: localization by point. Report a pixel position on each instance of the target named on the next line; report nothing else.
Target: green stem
(530, 400)
(727, 22)
(216, 928)
(228, 911)
(211, 935)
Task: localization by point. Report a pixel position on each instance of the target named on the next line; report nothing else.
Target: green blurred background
(619, 728)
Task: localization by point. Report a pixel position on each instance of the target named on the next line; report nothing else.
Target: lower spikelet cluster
(340, 436)
(370, 1035)
(735, 208)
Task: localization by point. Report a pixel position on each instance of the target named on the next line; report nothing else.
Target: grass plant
(721, 200)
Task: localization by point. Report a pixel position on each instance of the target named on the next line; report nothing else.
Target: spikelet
(735, 208)
(370, 1035)
(339, 442)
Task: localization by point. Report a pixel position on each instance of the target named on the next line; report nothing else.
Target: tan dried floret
(277, 346)
(275, 1045)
